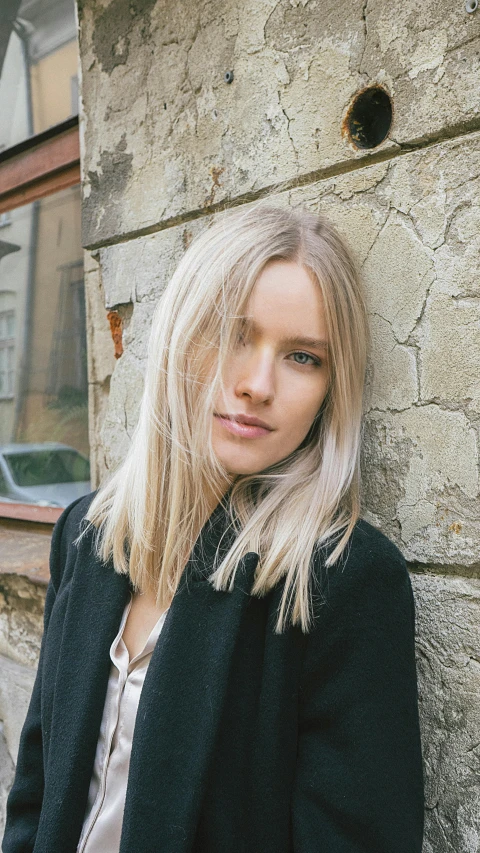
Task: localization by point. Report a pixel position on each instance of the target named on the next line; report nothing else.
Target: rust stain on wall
(215, 172)
(115, 321)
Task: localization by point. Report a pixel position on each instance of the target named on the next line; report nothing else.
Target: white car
(46, 474)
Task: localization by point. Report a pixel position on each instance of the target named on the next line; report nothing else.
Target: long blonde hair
(150, 511)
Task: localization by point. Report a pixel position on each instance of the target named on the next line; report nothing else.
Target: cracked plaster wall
(165, 134)
(166, 143)
(21, 625)
(410, 224)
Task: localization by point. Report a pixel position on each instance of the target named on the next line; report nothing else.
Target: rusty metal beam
(44, 164)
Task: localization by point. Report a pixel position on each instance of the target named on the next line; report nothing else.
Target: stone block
(98, 401)
(16, 684)
(137, 270)
(7, 770)
(448, 667)
(393, 380)
(192, 140)
(21, 618)
(450, 328)
(421, 482)
(398, 273)
(99, 338)
(121, 416)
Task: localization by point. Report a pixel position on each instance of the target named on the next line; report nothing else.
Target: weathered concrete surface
(164, 134)
(7, 769)
(23, 583)
(21, 627)
(21, 618)
(16, 683)
(101, 362)
(448, 665)
(406, 225)
(25, 548)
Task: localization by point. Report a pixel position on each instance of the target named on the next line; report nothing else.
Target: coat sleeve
(24, 802)
(359, 778)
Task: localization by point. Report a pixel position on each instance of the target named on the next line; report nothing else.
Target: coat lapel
(97, 598)
(180, 704)
(179, 713)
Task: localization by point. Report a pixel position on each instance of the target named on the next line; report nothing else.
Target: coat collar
(181, 700)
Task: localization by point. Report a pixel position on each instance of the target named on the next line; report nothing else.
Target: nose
(256, 378)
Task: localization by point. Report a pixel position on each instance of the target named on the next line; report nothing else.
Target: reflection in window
(5, 219)
(44, 446)
(67, 368)
(38, 67)
(7, 348)
(44, 467)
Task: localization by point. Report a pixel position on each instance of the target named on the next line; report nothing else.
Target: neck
(213, 498)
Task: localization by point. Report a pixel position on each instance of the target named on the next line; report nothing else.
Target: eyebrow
(291, 340)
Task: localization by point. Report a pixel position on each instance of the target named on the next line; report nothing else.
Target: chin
(237, 467)
(241, 470)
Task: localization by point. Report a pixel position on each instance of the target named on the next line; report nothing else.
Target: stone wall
(410, 224)
(24, 553)
(167, 143)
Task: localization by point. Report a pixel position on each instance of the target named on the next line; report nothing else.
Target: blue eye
(314, 360)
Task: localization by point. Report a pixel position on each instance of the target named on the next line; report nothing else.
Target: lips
(250, 420)
(243, 430)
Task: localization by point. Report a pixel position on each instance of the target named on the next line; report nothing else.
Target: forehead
(286, 302)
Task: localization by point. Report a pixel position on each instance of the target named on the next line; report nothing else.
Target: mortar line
(455, 570)
(341, 168)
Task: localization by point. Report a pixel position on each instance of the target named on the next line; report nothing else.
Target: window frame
(30, 512)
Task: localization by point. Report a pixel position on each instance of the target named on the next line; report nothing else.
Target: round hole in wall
(368, 117)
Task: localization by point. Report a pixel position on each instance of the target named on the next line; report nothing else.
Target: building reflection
(43, 358)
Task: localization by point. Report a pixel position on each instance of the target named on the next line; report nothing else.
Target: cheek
(303, 402)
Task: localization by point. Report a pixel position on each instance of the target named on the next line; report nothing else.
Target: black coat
(246, 741)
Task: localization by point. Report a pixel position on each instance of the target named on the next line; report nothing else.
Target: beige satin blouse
(102, 825)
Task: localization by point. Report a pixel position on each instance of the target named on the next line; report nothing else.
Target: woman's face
(275, 373)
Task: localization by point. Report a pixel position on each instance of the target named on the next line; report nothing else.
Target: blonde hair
(155, 504)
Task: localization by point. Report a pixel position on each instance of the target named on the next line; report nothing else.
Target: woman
(257, 691)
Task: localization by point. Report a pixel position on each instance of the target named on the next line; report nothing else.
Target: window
(38, 62)
(44, 449)
(43, 354)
